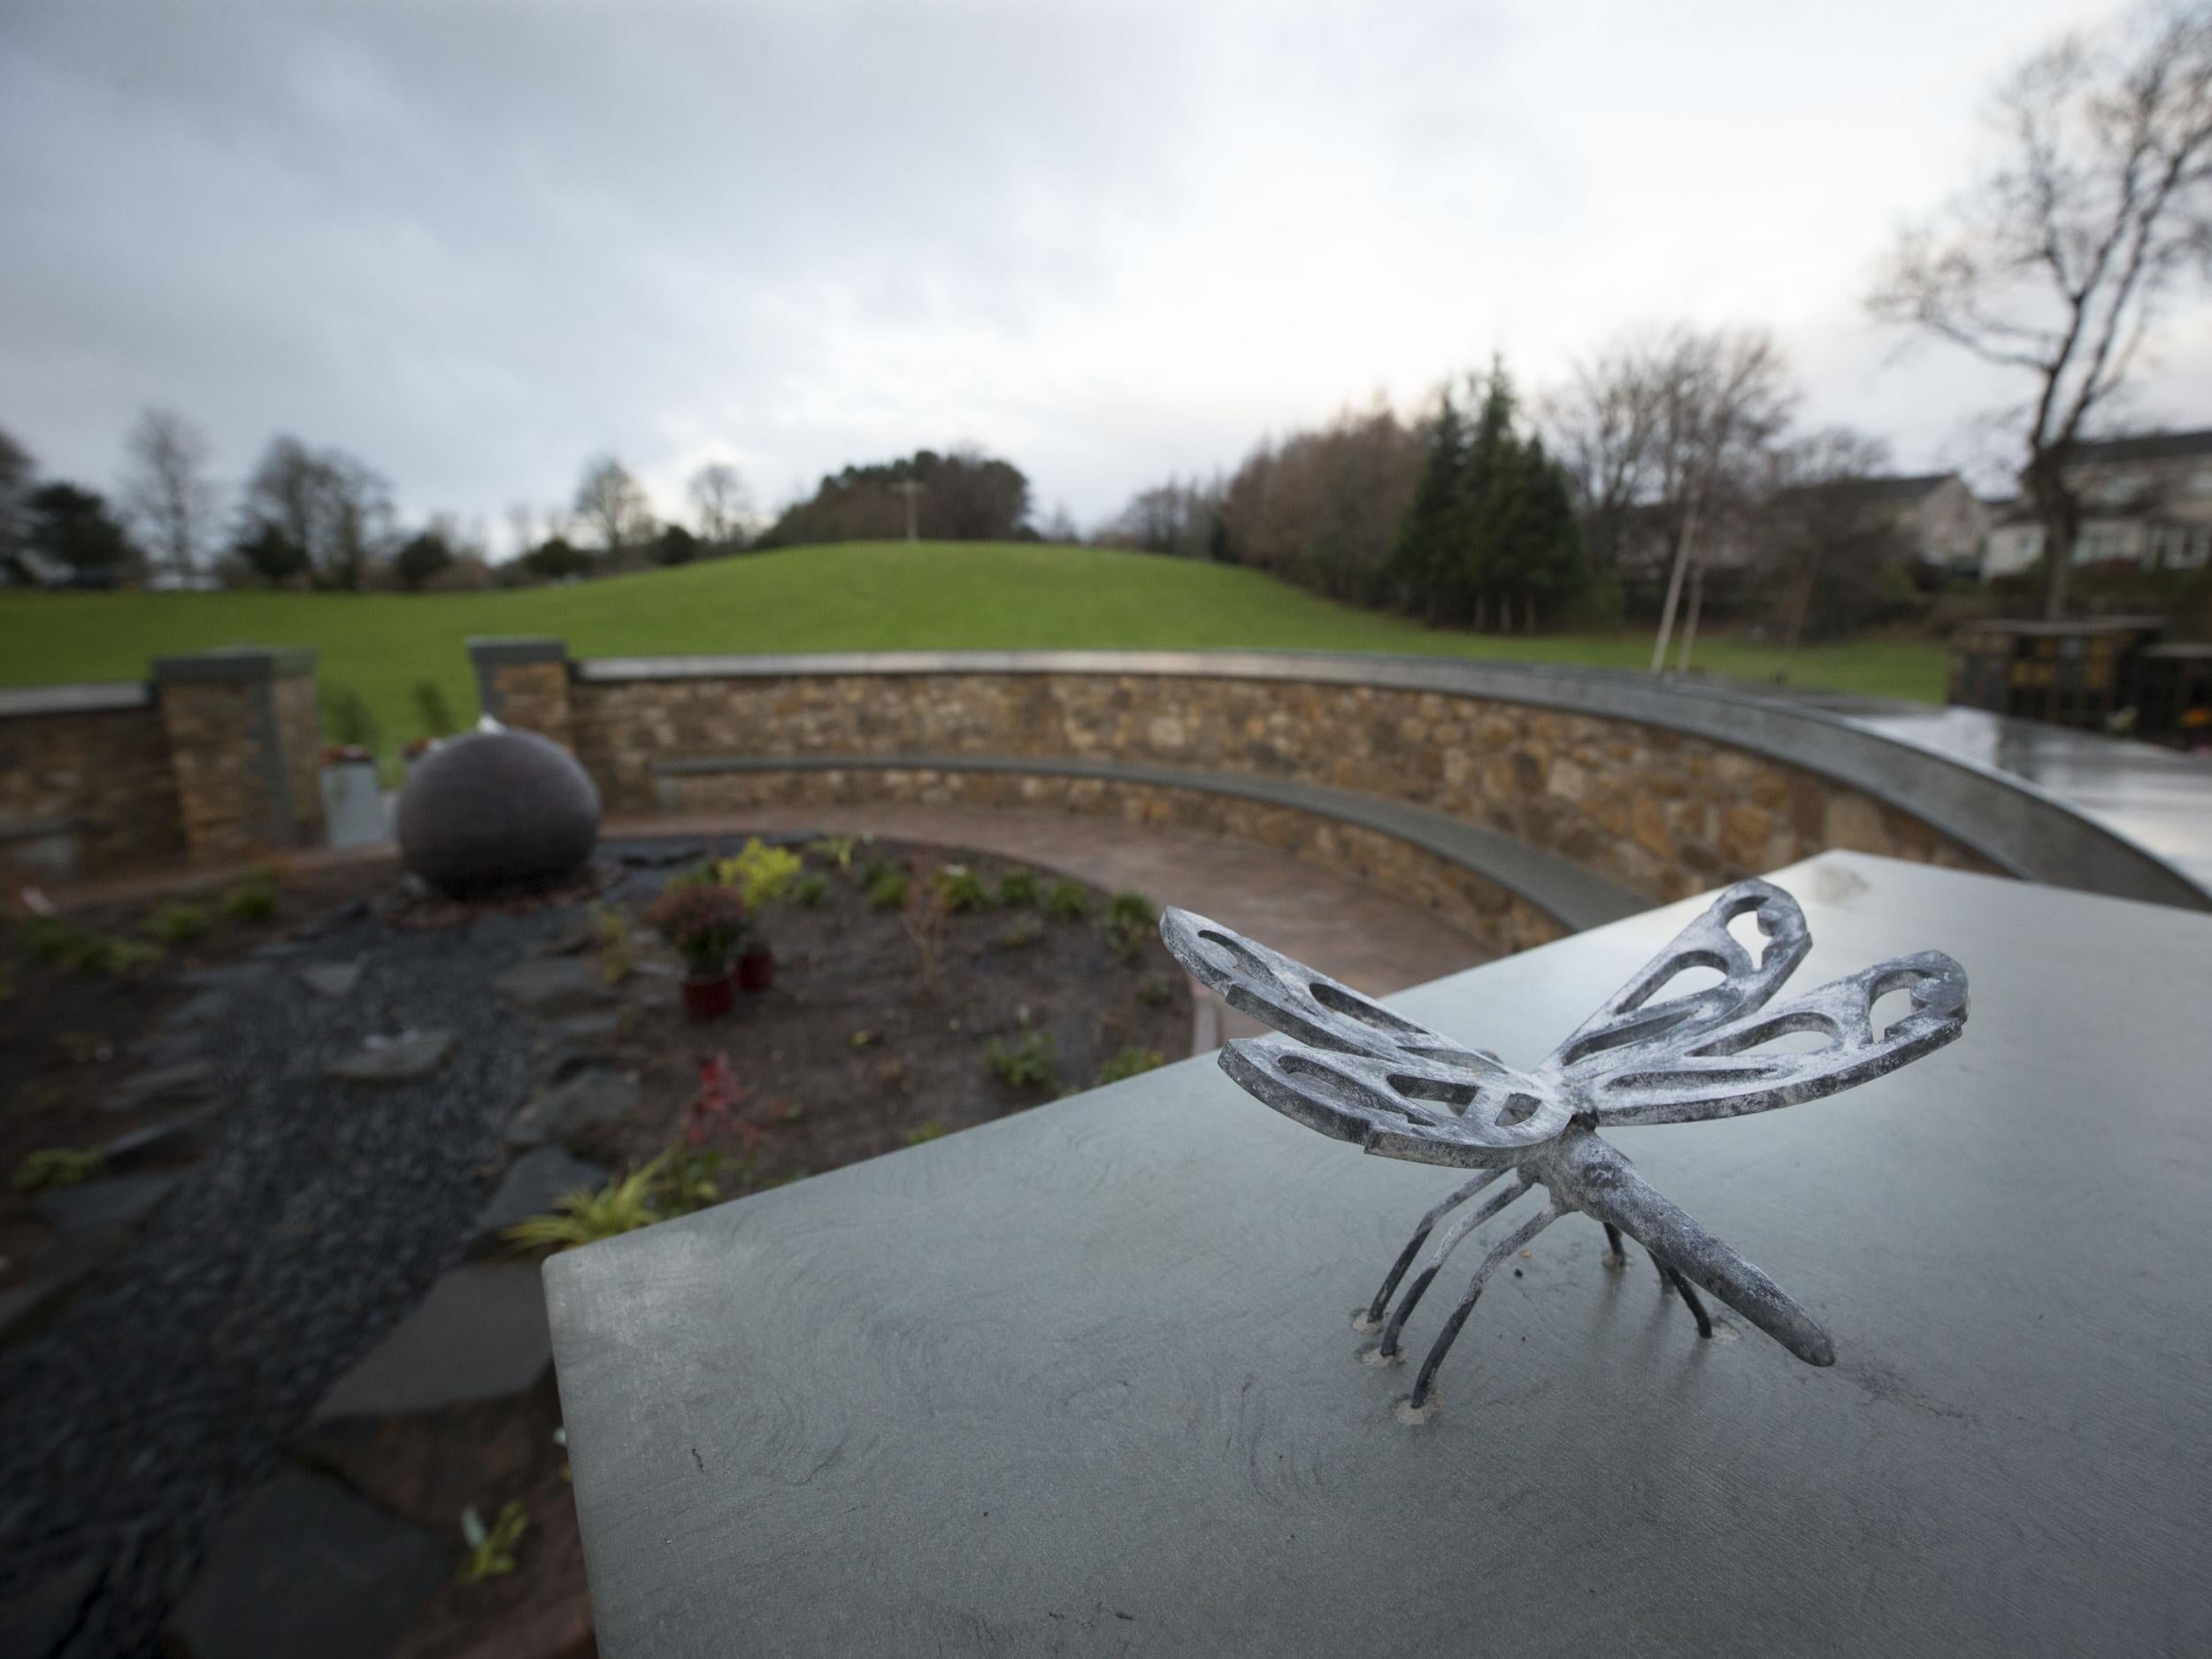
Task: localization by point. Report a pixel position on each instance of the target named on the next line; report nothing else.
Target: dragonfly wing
(1350, 1068)
(1422, 1111)
(1724, 1074)
(1630, 1022)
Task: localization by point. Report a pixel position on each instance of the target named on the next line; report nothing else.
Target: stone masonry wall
(1663, 813)
(216, 731)
(106, 769)
(1483, 909)
(300, 740)
(535, 697)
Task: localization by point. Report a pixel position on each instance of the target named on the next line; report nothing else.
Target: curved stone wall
(1664, 813)
(1650, 785)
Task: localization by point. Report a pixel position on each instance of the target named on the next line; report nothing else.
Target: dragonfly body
(1352, 1070)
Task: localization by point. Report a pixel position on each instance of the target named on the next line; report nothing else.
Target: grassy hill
(878, 595)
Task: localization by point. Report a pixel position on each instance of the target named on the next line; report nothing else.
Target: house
(2146, 503)
(1939, 521)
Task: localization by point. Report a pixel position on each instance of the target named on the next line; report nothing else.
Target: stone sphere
(496, 809)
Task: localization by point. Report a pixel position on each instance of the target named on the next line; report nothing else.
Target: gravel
(319, 1217)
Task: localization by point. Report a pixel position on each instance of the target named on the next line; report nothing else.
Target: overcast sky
(476, 242)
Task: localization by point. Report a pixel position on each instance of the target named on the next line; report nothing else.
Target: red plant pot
(707, 999)
(756, 968)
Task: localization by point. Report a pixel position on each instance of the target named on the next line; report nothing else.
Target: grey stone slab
(181, 1080)
(531, 1185)
(114, 1201)
(597, 1094)
(1085, 1379)
(403, 1059)
(304, 1566)
(167, 1048)
(35, 1620)
(203, 1008)
(479, 1334)
(550, 987)
(182, 1135)
(55, 1274)
(334, 980)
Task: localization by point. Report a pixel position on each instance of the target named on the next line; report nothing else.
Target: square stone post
(524, 683)
(245, 749)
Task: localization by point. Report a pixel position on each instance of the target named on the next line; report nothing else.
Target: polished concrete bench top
(1082, 1380)
(1571, 894)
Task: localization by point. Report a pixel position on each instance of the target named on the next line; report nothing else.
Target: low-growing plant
(51, 940)
(492, 1548)
(433, 712)
(837, 848)
(1153, 989)
(1023, 930)
(1130, 921)
(930, 1131)
(1017, 886)
(693, 1182)
(1067, 901)
(618, 945)
(705, 923)
(809, 889)
(252, 900)
(1129, 1063)
(1023, 1064)
(120, 958)
(959, 888)
(886, 891)
(584, 1217)
(51, 1167)
(80, 950)
(716, 1106)
(864, 1039)
(874, 869)
(762, 873)
(346, 720)
(176, 922)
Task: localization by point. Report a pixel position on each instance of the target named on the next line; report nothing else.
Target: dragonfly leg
(1497, 1258)
(1388, 1347)
(1437, 1211)
(1689, 1297)
(1617, 1253)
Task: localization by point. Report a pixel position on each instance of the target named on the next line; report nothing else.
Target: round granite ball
(496, 809)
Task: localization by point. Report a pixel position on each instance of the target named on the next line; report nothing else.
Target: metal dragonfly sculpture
(1355, 1071)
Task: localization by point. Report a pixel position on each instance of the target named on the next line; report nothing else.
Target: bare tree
(1823, 533)
(1605, 429)
(333, 512)
(613, 508)
(167, 491)
(719, 493)
(2057, 262)
(15, 472)
(522, 526)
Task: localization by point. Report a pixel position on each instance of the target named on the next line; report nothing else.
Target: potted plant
(706, 924)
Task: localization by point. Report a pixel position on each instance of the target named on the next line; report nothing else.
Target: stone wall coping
(89, 697)
(495, 651)
(1566, 891)
(2016, 826)
(238, 663)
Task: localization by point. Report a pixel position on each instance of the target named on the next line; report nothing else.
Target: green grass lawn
(877, 595)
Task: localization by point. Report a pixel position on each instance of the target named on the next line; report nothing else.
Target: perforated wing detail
(1725, 1074)
(1352, 1068)
(1629, 1025)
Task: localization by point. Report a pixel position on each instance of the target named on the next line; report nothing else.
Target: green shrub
(1132, 909)
(886, 891)
(874, 870)
(1129, 1063)
(1152, 989)
(1023, 1064)
(837, 848)
(433, 713)
(177, 923)
(930, 1131)
(584, 1217)
(80, 951)
(762, 873)
(1067, 901)
(809, 889)
(53, 1167)
(1023, 930)
(1017, 886)
(346, 719)
(52, 940)
(960, 889)
(252, 900)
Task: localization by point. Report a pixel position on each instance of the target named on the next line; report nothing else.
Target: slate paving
(146, 1404)
(532, 1183)
(331, 978)
(305, 1567)
(550, 987)
(406, 1058)
(117, 1200)
(479, 1334)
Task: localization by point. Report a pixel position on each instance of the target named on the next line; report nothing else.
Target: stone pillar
(245, 749)
(524, 683)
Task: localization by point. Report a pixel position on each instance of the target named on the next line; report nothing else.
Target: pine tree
(1425, 551)
(1490, 492)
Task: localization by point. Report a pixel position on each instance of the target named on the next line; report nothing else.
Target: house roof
(2148, 446)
